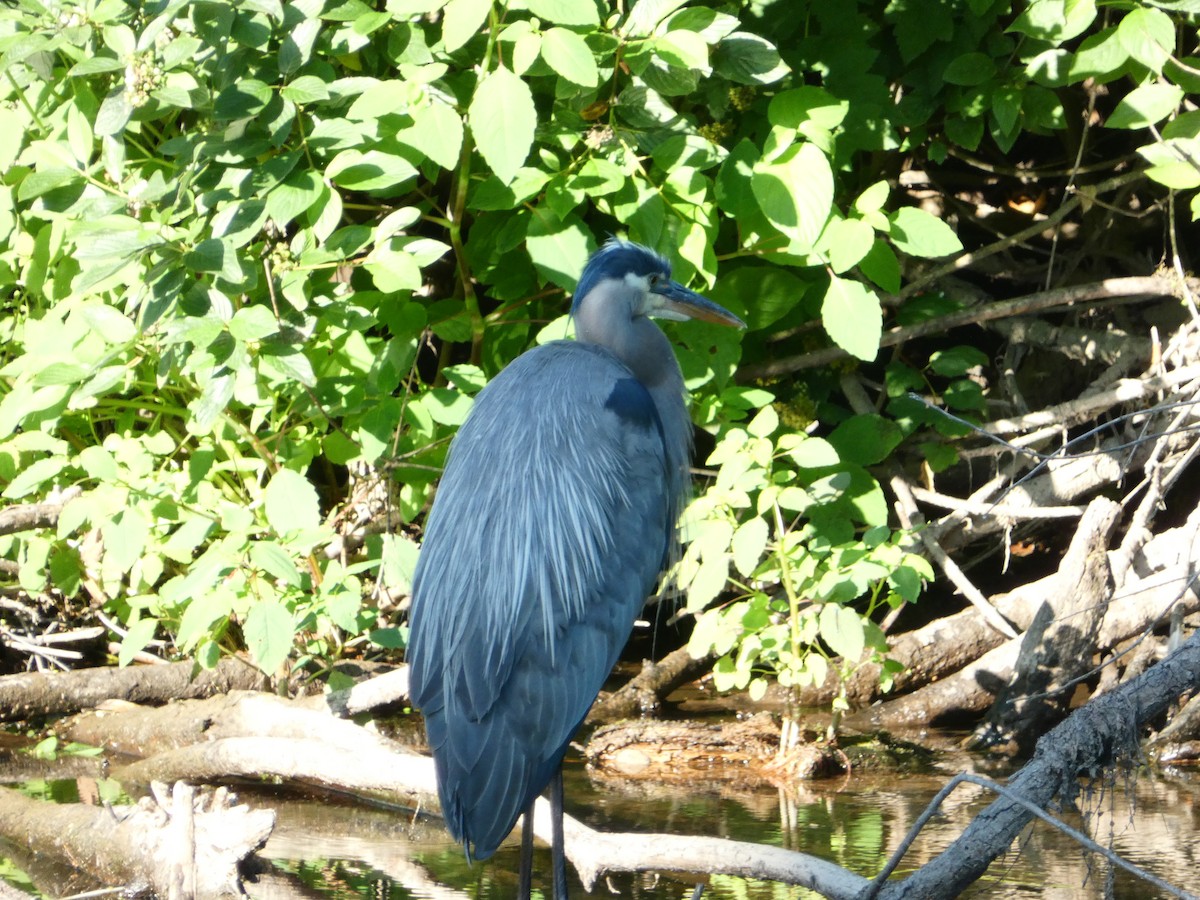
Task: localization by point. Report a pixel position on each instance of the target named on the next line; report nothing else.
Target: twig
(950, 568)
(999, 510)
(911, 520)
(1125, 289)
(967, 259)
(1087, 405)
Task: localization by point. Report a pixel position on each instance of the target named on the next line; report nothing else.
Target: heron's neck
(636, 341)
(641, 345)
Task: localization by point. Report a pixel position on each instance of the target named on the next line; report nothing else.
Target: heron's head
(631, 276)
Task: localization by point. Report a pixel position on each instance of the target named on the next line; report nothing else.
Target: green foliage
(246, 247)
(804, 527)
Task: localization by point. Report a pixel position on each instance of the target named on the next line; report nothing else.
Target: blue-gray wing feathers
(549, 530)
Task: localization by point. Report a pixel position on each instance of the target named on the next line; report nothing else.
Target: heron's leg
(558, 853)
(525, 877)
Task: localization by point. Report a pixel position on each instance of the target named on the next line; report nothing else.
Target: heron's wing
(547, 533)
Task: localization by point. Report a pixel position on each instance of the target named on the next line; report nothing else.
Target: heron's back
(548, 531)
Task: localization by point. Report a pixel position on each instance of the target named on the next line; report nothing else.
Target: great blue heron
(551, 525)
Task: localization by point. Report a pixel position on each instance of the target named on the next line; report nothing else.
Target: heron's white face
(648, 300)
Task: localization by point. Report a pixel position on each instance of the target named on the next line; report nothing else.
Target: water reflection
(330, 847)
(379, 853)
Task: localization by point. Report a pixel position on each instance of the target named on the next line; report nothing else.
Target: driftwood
(178, 844)
(1095, 736)
(285, 739)
(643, 694)
(60, 693)
(684, 750)
(1140, 604)
(1058, 649)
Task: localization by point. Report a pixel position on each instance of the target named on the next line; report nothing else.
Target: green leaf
(114, 113)
(851, 315)
(437, 131)
(291, 503)
(124, 540)
(842, 630)
(957, 361)
(881, 266)
(918, 233)
(1148, 35)
(970, 69)
(645, 16)
(1055, 20)
(795, 192)
(253, 323)
(559, 248)
(569, 55)
(866, 439)
(305, 89)
(242, 99)
(35, 184)
(1101, 56)
(760, 294)
(565, 12)
(809, 452)
(1145, 106)
(462, 20)
(445, 406)
(140, 634)
(807, 104)
(297, 46)
(748, 59)
(201, 613)
(502, 119)
(749, 542)
(268, 630)
(273, 559)
(845, 242)
(373, 170)
(34, 476)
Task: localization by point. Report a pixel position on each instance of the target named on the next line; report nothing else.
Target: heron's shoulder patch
(631, 402)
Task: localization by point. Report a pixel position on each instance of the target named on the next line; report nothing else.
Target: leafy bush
(248, 248)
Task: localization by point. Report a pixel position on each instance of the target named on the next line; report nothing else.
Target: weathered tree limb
(315, 749)
(595, 853)
(28, 516)
(373, 767)
(643, 694)
(1095, 736)
(58, 693)
(1053, 656)
(1127, 289)
(1088, 405)
(377, 692)
(948, 566)
(970, 691)
(1082, 345)
(180, 846)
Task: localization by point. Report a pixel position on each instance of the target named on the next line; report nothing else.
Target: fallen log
(1139, 605)
(377, 765)
(643, 694)
(1094, 737)
(178, 844)
(1059, 652)
(35, 694)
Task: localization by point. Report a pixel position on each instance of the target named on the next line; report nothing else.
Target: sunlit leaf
(268, 633)
(291, 503)
(502, 119)
(851, 315)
